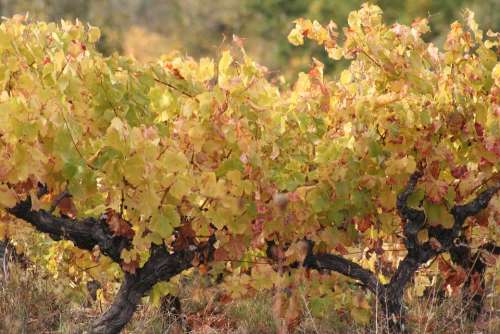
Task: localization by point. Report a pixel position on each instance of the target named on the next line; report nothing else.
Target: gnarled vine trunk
(163, 264)
(122, 309)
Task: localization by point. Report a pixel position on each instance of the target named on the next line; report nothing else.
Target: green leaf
(437, 214)
(416, 198)
(161, 225)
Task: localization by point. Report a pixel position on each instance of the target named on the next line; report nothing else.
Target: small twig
(62, 69)
(174, 88)
(306, 305)
(372, 59)
(122, 200)
(202, 206)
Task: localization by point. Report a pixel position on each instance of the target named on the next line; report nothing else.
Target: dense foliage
(183, 163)
(147, 28)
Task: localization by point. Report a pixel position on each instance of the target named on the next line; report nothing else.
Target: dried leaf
(67, 207)
(118, 225)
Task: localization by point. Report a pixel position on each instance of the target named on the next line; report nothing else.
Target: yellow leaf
(206, 69)
(174, 161)
(295, 36)
(94, 34)
(181, 187)
(345, 77)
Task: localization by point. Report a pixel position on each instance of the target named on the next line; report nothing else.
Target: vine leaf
(118, 225)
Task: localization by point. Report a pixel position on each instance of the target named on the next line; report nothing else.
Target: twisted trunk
(160, 267)
(163, 265)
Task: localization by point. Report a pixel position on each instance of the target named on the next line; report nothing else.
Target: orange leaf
(203, 269)
(363, 224)
(341, 249)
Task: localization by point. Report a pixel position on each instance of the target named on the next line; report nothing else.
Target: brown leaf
(456, 278)
(118, 225)
(482, 218)
(237, 246)
(444, 267)
(221, 254)
(185, 237)
(225, 298)
(475, 284)
(435, 169)
(67, 207)
(455, 122)
(25, 186)
(435, 244)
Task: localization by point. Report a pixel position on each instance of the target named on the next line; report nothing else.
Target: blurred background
(146, 29)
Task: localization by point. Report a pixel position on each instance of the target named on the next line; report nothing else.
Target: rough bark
(420, 253)
(160, 267)
(339, 264)
(84, 233)
(162, 264)
(91, 232)
(390, 295)
(474, 288)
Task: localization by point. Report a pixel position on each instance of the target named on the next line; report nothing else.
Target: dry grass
(31, 302)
